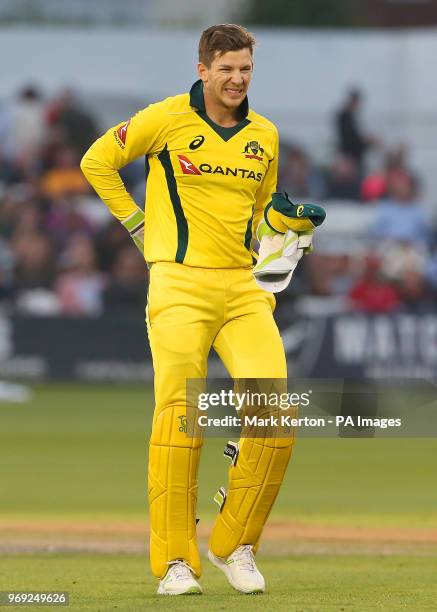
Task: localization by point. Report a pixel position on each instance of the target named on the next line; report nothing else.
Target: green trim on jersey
(224, 132)
(181, 221)
(248, 235)
(197, 101)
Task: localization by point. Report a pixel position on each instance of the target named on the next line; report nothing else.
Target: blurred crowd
(61, 252)
(383, 257)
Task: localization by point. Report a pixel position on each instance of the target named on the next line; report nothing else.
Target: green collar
(226, 133)
(197, 100)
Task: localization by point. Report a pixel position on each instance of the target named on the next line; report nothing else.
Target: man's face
(227, 79)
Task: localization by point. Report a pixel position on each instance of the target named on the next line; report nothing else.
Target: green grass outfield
(80, 453)
(74, 459)
(110, 582)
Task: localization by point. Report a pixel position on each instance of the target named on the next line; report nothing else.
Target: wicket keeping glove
(285, 235)
(135, 226)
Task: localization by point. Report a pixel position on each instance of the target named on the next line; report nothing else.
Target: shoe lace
(180, 570)
(245, 558)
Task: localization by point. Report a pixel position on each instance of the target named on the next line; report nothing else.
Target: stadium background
(73, 440)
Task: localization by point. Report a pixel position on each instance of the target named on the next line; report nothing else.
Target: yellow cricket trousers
(189, 311)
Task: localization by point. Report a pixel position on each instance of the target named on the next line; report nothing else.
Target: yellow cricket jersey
(207, 185)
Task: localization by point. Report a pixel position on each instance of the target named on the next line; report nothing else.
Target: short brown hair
(223, 38)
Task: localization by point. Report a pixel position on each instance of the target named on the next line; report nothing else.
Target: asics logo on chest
(197, 142)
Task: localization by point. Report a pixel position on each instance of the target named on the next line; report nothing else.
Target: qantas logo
(122, 131)
(187, 166)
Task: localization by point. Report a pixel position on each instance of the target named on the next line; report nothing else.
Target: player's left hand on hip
(285, 235)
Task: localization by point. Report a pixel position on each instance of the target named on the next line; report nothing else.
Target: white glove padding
(278, 257)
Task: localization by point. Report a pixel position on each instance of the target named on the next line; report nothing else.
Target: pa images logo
(253, 150)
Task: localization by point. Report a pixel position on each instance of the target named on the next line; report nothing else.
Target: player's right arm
(143, 134)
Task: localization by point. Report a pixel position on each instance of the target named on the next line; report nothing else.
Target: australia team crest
(253, 150)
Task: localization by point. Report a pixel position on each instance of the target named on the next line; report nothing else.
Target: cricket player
(212, 172)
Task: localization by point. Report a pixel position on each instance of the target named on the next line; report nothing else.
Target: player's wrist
(135, 226)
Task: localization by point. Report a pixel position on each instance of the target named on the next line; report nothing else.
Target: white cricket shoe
(179, 580)
(240, 570)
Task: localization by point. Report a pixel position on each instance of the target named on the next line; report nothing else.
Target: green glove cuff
(134, 221)
(135, 226)
(281, 203)
(281, 215)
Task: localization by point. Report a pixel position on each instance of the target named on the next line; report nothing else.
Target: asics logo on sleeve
(187, 166)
